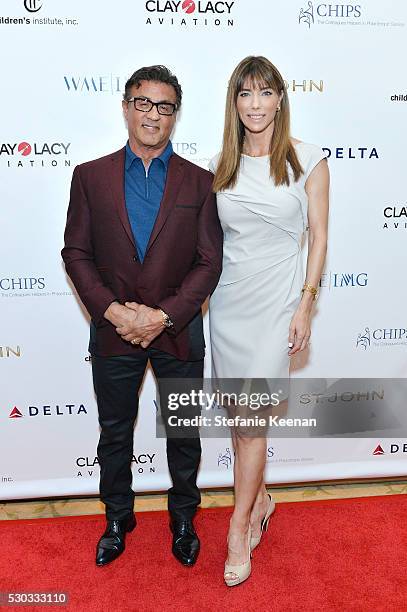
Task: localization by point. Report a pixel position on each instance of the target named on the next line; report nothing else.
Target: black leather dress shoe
(111, 544)
(185, 542)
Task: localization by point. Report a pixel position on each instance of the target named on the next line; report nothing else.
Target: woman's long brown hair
(261, 72)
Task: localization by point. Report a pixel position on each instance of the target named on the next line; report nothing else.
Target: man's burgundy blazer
(182, 264)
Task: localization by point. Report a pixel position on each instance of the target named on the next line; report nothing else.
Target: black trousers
(117, 381)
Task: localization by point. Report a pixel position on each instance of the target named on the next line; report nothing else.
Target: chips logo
(225, 458)
(382, 337)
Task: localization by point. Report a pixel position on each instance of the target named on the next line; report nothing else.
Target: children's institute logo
(32, 6)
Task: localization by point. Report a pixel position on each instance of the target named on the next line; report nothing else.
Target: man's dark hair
(159, 74)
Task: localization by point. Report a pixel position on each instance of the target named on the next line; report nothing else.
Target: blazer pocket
(193, 206)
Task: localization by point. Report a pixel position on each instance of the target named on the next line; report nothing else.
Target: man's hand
(147, 325)
(119, 315)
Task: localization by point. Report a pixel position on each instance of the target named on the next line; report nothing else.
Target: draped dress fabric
(260, 287)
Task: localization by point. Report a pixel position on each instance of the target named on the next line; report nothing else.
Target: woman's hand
(300, 330)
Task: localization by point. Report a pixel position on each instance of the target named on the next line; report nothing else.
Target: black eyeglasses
(145, 105)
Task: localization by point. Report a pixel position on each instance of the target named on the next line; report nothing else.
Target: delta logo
(189, 13)
(49, 410)
(15, 413)
(395, 448)
(378, 450)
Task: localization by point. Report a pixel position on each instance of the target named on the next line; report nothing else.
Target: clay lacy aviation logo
(34, 155)
(225, 458)
(32, 6)
(381, 337)
(142, 463)
(189, 13)
(395, 217)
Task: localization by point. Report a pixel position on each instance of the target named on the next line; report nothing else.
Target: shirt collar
(164, 157)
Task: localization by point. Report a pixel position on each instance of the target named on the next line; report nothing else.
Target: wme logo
(307, 15)
(108, 83)
(225, 459)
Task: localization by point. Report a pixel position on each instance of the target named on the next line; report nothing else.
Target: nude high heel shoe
(236, 574)
(255, 540)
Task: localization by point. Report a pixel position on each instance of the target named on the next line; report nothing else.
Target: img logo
(307, 15)
(363, 340)
(333, 280)
(32, 6)
(225, 459)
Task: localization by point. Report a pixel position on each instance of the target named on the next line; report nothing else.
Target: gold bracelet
(310, 289)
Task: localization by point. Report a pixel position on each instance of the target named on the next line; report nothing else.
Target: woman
(270, 188)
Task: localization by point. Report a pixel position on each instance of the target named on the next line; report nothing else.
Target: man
(143, 248)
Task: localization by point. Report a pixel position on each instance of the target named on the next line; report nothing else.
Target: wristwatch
(166, 319)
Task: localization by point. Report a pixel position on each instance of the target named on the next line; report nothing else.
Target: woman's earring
(278, 108)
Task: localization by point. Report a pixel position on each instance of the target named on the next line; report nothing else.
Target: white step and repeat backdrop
(63, 72)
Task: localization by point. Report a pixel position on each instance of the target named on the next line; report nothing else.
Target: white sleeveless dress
(260, 287)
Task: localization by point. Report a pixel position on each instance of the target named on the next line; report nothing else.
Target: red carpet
(342, 555)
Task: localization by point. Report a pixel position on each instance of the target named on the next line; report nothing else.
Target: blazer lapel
(175, 175)
(117, 189)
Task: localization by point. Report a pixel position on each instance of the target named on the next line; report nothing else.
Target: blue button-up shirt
(143, 192)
